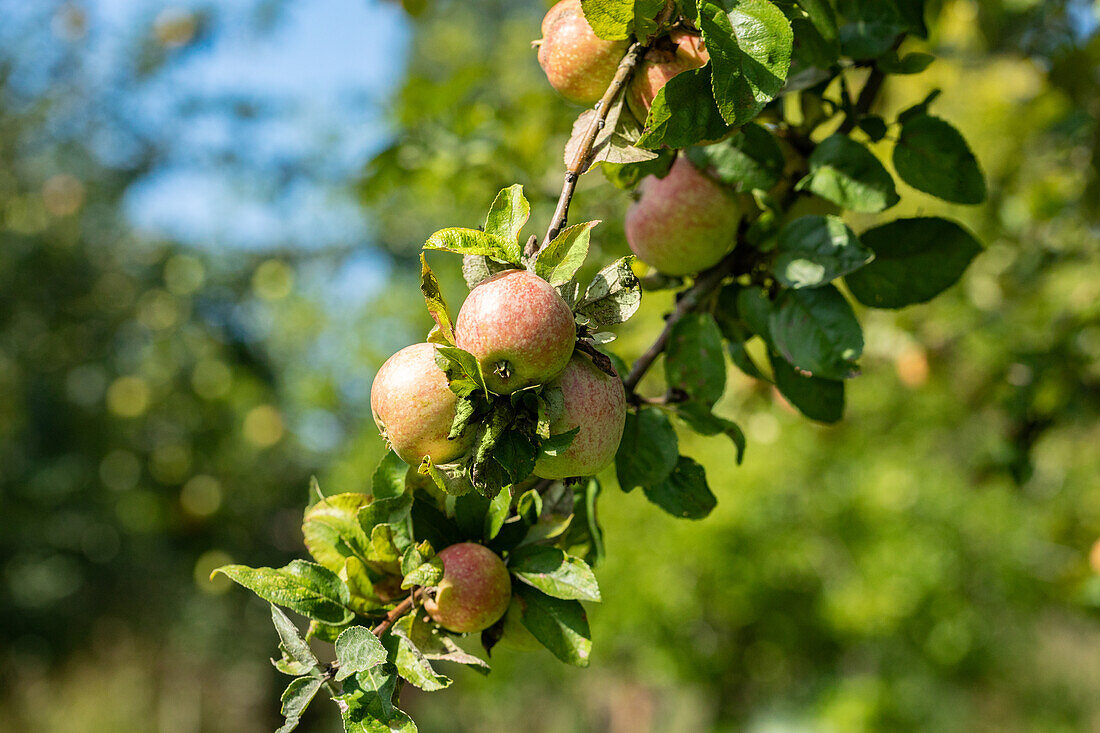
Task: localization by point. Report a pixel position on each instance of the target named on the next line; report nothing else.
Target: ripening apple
(681, 52)
(413, 407)
(579, 64)
(683, 223)
(519, 329)
(474, 592)
(595, 403)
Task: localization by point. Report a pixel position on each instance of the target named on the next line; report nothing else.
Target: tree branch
(580, 161)
(398, 611)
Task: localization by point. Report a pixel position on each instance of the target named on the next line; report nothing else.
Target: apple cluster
(683, 222)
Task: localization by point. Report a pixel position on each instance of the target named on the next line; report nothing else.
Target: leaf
(874, 126)
(750, 159)
(367, 703)
(694, 361)
(388, 480)
(474, 242)
(557, 443)
(646, 14)
(291, 641)
(332, 532)
(559, 625)
(849, 175)
(559, 261)
(507, 215)
(871, 27)
(358, 650)
(296, 698)
(913, 13)
(915, 260)
(750, 55)
(436, 646)
(816, 398)
(826, 39)
(815, 250)
(817, 332)
(648, 449)
(478, 268)
(612, 297)
(911, 63)
(700, 419)
(583, 537)
(433, 525)
(755, 309)
(614, 143)
(932, 156)
(684, 113)
(462, 369)
(433, 299)
(304, 587)
(627, 175)
(611, 20)
(393, 511)
(684, 493)
(497, 513)
(426, 574)
(411, 663)
(554, 573)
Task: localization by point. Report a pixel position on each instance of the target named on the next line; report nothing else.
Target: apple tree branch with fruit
(734, 122)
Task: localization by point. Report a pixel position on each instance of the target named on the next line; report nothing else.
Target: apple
(595, 403)
(683, 223)
(413, 407)
(681, 52)
(579, 64)
(474, 592)
(519, 329)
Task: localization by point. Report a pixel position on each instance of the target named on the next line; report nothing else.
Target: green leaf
(611, 20)
(462, 369)
(394, 512)
(358, 650)
(684, 493)
(615, 141)
(750, 55)
(755, 309)
(816, 398)
(915, 260)
(584, 537)
(627, 175)
(411, 663)
(367, 703)
(646, 13)
(911, 63)
(874, 126)
(475, 242)
(700, 419)
(433, 525)
(554, 573)
(388, 480)
(825, 37)
(507, 215)
(815, 250)
(750, 159)
(296, 698)
(684, 113)
(648, 450)
(434, 645)
(304, 587)
(426, 574)
(332, 532)
(556, 444)
(559, 261)
(848, 174)
(559, 625)
(871, 27)
(912, 11)
(433, 299)
(479, 268)
(291, 641)
(694, 361)
(497, 513)
(932, 156)
(612, 297)
(817, 332)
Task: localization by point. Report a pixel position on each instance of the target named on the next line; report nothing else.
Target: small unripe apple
(595, 403)
(683, 51)
(413, 407)
(475, 590)
(578, 63)
(519, 329)
(683, 223)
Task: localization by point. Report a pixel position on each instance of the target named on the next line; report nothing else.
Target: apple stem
(579, 164)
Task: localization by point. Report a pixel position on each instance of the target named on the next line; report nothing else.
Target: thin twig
(580, 160)
(398, 611)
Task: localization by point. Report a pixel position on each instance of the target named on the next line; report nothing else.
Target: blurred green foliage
(921, 566)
